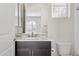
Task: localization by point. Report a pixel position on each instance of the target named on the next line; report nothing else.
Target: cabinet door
(23, 52)
(41, 52)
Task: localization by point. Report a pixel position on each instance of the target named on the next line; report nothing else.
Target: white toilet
(64, 48)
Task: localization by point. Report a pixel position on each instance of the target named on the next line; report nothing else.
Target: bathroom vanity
(32, 47)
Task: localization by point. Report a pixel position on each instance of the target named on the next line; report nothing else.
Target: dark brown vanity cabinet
(33, 48)
(41, 52)
(21, 52)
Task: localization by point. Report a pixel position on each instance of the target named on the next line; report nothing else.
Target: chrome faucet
(32, 34)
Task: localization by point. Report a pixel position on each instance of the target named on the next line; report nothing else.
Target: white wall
(76, 30)
(61, 28)
(7, 28)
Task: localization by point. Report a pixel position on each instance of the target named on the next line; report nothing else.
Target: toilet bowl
(64, 48)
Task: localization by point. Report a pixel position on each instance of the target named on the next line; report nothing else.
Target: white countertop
(32, 39)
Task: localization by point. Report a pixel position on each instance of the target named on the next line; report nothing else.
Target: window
(60, 10)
